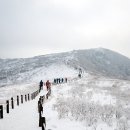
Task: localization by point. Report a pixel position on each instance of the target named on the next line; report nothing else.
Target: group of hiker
(47, 84)
(60, 80)
(56, 81)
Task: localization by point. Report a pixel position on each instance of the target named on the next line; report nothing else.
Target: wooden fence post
(12, 103)
(21, 98)
(32, 96)
(47, 96)
(17, 100)
(40, 124)
(39, 106)
(1, 111)
(42, 99)
(43, 122)
(26, 98)
(7, 106)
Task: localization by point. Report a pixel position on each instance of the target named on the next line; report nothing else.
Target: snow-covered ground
(33, 74)
(89, 103)
(13, 90)
(53, 71)
(29, 82)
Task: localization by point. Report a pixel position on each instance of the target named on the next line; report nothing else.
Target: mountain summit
(105, 62)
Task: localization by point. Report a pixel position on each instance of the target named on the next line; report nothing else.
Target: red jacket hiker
(48, 85)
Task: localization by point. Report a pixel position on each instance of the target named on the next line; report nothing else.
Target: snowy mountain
(95, 102)
(98, 61)
(105, 62)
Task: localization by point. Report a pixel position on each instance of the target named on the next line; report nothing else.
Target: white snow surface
(53, 71)
(26, 117)
(90, 89)
(34, 75)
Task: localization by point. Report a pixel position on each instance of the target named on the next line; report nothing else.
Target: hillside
(105, 62)
(98, 61)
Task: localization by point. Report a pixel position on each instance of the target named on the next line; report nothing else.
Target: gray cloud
(33, 27)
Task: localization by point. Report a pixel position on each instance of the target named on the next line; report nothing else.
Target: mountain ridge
(97, 61)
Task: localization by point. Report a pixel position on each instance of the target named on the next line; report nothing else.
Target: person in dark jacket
(55, 81)
(62, 80)
(66, 80)
(40, 85)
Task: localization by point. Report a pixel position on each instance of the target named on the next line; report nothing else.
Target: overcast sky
(36, 27)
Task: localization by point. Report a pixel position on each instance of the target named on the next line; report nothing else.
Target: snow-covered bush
(82, 110)
(122, 124)
(80, 106)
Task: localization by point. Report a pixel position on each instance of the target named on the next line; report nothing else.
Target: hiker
(79, 75)
(59, 80)
(48, 85)
(40, 85)
(55, 81)
(66, 80)
(62, 80)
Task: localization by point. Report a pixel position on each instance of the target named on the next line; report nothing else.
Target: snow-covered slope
(97, 61)
(13, 71)
(105, 62)
(89, 103)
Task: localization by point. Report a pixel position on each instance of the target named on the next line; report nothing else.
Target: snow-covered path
(23, 117)
(26, 117)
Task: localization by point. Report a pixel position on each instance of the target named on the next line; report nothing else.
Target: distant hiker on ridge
(80, 72)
